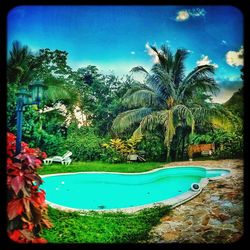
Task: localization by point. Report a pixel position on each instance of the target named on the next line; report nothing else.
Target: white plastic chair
(65, 159)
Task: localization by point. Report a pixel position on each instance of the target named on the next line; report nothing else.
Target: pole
(19, 125)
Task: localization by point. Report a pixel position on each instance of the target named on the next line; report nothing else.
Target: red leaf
(38, 162)
(17, 183)
(44, 155)
(31, 177)
(14, 208)
(14, 235)
(39, 240)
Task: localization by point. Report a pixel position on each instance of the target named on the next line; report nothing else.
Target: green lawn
(100, 166)
(93, 227)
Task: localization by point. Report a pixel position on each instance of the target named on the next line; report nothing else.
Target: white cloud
(182, 15)
(190, 51)
(206, 61)
(132, 53)
(197, 12)
(235, 58)
(152, 53)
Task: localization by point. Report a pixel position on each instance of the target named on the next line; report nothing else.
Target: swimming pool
(126, 191)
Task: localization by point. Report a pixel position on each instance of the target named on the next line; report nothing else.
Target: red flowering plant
(26, 207)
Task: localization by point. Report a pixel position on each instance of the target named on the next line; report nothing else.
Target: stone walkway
(214, 216)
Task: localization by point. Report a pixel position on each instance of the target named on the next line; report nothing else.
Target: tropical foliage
(117, 150)
(166, 108)
(84, 143)
(121, 116)
(164, 100)
(228, 144)
(26, 207)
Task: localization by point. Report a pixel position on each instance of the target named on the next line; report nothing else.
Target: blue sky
(116, 38)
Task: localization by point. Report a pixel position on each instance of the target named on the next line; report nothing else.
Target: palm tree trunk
(183, 146)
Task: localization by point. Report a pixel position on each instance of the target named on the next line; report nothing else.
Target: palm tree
(20, 64)
(165, 97)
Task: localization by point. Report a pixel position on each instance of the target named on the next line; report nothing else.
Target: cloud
(132, 53)
(190, 51)
(184, 15)
(152, 53)
(205, 61)
(223, 42)
(235, 58)
(197, 12)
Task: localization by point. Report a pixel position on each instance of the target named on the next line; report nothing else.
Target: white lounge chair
(65, 159)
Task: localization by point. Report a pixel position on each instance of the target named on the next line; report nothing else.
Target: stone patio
(214, 216)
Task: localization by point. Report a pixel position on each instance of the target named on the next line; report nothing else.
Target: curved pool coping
(173, 202)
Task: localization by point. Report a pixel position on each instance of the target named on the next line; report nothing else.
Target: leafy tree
(165, 97)
(47, 65)
(100, 96)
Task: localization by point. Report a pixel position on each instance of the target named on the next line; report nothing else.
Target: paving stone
(214, 216)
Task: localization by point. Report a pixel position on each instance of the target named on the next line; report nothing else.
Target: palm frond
(19, 64)
(184, 116)
(199, 78)
(166, 58)
(162, 81)
(169, 129)
(136, 87)
(178, 66)
(154, 82)
(128, 118)
(57, 90)
(151, 121)
(199, 72)
(141, 98)
(139, 69)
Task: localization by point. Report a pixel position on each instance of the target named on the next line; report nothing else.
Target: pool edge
(172, 202)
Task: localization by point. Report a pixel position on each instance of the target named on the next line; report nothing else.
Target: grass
(133, 167)
(91, 227)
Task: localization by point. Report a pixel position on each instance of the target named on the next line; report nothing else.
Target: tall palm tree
(165, 96)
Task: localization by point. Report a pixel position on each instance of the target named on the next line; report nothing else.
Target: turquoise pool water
(99, 191)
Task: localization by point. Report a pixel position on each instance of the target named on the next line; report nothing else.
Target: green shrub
(111, 155)
(37, 136)
(230, 146)
(117, 150)
(153, 147)
(84, 143)
(52, 144)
